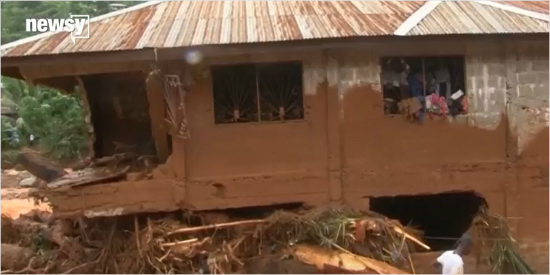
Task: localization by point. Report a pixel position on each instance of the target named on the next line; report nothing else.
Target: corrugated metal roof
(536, 6)
(191, 23)
(188, 23)
(468, 17)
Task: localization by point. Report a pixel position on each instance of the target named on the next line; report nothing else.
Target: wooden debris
(214, 226)
(40, 167)
(406, 235)
(82, 92)
(157, 105)
(88, 177)
(115, 159)
(363, 225)
(321, 258)
(190, 241)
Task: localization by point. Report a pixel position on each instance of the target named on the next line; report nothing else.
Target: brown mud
(346, 150)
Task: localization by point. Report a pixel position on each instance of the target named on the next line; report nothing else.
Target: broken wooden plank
(214, 226)
(412, 238)
(88, 177)
(87, 115)
(157, 109)
(320, 258)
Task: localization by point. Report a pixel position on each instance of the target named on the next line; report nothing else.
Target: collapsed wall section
(120, 114)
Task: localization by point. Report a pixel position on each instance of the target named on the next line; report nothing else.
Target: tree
(57, 119)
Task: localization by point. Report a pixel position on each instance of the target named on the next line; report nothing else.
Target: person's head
(464, 245)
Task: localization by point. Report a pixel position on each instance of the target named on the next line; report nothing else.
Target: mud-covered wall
(384, 155)
(347, 149)
(500, 149)
(232, 165)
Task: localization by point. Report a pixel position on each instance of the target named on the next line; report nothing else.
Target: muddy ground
(15, 200)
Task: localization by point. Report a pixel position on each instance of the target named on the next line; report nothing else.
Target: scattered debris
(493, 238)
(89, 176)
(340, 241)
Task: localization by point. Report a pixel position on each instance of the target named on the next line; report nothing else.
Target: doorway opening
(443, 217)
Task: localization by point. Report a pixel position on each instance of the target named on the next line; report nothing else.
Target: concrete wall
(348, 148)
(234, 165)
(528, 76)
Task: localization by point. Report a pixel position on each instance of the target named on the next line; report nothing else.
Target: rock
(19, 167)
(28, 182)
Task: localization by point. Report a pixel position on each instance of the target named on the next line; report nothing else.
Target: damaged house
(239, 104)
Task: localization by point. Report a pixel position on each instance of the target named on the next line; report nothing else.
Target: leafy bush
(58, 121)
(10, 135)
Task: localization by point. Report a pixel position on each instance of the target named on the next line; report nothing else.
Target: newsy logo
(77, 25)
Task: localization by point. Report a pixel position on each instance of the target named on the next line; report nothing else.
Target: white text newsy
(75, 25)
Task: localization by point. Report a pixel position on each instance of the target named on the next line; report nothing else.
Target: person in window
(416, 90)
(451, 262)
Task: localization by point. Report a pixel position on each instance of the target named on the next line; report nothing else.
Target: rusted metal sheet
(188, 23)
(468, 17)
(191, 23)
(536, 6)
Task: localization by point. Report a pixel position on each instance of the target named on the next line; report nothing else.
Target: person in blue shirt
(416, 90)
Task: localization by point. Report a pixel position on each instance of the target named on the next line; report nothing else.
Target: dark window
(258, 92)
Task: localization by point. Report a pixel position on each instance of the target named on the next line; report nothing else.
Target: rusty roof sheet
(192, 23)
(189, 23)
(468, 17)
(536, 6)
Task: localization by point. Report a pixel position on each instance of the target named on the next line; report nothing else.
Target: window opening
(258, 92)
(442, 218)
(434, 85)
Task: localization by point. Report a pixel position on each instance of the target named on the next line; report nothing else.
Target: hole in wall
(443, 217)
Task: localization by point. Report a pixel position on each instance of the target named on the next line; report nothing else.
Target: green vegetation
(55, 120)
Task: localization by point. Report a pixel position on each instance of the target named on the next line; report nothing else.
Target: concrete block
(480, 82)
(496, 81)
(469, 84)
(540, 64)
(364, 74)
(524, 65)
(497, 69)
(526, 91)
(542, 78)
(527, 78)
(347, 74)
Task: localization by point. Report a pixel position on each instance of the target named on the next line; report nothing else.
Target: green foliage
(8, 158)
(9, 141)
(55, 118)
(58, 121)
